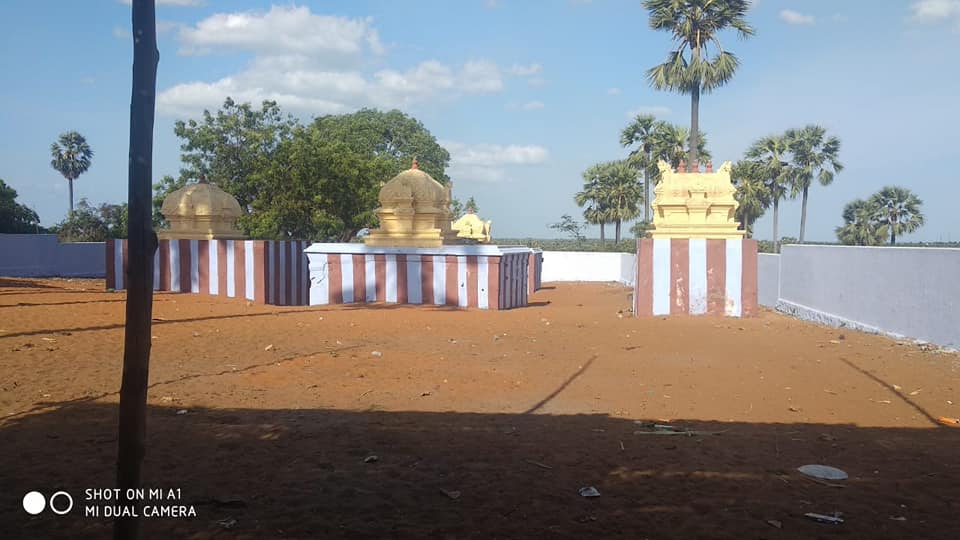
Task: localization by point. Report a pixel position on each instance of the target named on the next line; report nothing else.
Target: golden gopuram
(472, 229)
(414, 212)
(201, 211)
(692, 204)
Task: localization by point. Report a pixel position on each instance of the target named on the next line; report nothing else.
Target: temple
(471, 228)
(201, 211)
(693, 204)
(414, 212)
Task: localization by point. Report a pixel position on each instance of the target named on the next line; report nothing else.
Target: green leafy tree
(85, 224)
(641, 228)
(456, 208)
(115, 218)
(233, 148)
(471, 206)
(814, 155)
(860, 226)
(570, 227)
(15, 217)
(898, 209)
(770, 154)
(72, 157)
(392, 136)
(752, 193)
(695, 26)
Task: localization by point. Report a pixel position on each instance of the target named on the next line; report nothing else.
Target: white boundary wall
(589, 266)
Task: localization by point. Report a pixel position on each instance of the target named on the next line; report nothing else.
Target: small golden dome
(201, 211)
(416, 185)
(200, 199)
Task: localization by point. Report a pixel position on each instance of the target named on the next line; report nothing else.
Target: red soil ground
(485, 424)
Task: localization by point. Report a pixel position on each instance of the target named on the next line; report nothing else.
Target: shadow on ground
(304, 474)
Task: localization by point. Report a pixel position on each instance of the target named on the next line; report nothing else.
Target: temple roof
(416, 184)
(201, 199)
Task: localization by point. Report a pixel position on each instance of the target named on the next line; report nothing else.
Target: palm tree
(671, 143)
(71, 158)
(861, 227)
(814, 155)
(641, 132)
(769, 153)
(898, 209)
(753, 194)
(621, 192)
(695, 25)
(592, 197)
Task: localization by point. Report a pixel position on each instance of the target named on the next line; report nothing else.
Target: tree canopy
(318, 181)
(15, 217)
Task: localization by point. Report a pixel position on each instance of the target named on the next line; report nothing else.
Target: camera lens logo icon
(34, 503)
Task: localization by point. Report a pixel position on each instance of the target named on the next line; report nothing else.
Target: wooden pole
(142, 244)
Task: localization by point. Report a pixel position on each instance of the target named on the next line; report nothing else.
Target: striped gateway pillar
(696, 276)
(484, 277)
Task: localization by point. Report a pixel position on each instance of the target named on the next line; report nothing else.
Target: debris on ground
(667, 429)
(949, 421)
(589, 491)
(823, 472)
(182, 412)
(833, 520)
(453, 494)
(268, 347)
(371, 459)
(537, 463)
(376, 354)
(228, 523)
(776, 523)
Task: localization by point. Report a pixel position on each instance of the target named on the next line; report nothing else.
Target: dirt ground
(483, 424)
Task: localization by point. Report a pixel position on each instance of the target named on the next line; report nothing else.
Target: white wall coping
(363, 249)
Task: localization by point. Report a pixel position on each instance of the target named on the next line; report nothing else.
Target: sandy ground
(483, 424)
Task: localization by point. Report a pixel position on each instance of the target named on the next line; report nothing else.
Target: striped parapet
(535, 271)
(264, 271)
(484, 277)
(696, 276)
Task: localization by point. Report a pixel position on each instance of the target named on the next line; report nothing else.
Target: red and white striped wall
(265, 271)
(484, 277)
(535, 271)
(696, 276)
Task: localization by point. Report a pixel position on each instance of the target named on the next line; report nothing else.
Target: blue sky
(526, 94)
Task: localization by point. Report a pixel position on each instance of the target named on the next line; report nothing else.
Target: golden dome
(200, 199)
(416, 185)
(201, 211)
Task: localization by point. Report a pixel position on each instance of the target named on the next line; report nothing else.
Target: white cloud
(120, 32)
(927, 11)
(313, 64)
(182, 3)
(654, 110)
(526, 71)
(528, 106)
(282, 30)
(795, 17)
(490, 162)
(536, 82)
(166, 26)
(613, 91)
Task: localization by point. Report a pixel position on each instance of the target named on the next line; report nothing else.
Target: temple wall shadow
(304, 474)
